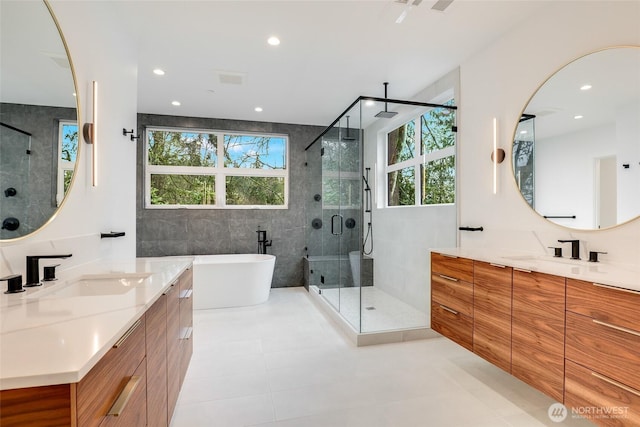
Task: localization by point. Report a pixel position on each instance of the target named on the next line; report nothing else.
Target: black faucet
(575, 247)
(33, 268)
(263, 243)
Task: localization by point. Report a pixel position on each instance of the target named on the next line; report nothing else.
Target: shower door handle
(333, 227)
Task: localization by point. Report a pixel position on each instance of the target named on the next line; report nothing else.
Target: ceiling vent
(441, 5)
(231, 77)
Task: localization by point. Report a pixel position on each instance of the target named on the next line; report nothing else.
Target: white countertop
(625, 276)
(48, 339)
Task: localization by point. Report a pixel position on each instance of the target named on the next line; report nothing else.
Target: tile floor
(283, 363)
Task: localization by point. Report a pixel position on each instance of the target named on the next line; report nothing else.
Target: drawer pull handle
(522, 270)
(189, 333)
(617, 328)
(453, 279)
(497, 265)
(186, 294)
(125, 395)
(615, 288)
(127, 334)
(616, 384)
(449, 256)
(450, 310)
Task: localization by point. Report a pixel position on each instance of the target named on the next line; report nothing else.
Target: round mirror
(38, 118)
(576, 149)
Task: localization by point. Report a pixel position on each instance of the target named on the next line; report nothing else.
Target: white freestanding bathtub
(234, 280)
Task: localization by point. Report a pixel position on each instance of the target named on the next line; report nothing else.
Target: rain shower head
(386, 114)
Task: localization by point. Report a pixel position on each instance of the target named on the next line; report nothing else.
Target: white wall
(498, 82)
(564, 173)
(99, 51)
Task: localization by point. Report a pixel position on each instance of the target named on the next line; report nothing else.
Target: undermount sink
(91, 285)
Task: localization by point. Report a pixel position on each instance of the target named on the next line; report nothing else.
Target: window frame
(64, 165)
(419, 159)
(220, 171)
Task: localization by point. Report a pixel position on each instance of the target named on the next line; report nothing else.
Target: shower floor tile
(378, 310)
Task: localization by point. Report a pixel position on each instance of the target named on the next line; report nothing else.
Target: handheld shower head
(386, 114)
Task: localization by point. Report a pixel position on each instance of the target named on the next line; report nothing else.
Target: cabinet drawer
(537, 356)
(458, 268)
(492, 313)
(600, 399)
(453, 293)
(134, 411)
(611, 305)
(156, 324)
(452, 324)
(604, 348)
(100, 388)
(173, 348)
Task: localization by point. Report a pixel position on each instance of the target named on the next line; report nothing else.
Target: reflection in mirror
(576, 150)
(39, 130)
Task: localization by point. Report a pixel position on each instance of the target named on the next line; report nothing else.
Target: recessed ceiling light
(522, 132)
(74, 94)
(585, 87)
(273, 41)
(176, 103)
(258, 109)
(578, 117)
(369, 103)
(158, 72)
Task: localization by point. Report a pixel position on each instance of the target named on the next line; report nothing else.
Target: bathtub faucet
(263, 243)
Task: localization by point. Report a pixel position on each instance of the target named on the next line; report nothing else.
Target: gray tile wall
(163, 232)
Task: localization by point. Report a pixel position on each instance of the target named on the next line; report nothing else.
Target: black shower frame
(372, 98)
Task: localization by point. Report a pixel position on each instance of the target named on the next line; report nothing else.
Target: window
(421, 168)
(67, 154)
(215, 169)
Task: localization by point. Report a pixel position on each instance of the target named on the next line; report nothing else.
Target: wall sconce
(90, 133)
(497, 155)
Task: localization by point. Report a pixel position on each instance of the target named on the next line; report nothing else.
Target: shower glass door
(341, 196)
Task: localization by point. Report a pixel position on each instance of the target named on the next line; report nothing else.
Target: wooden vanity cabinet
(492, 313)
(144, 370)
(537, 354)
(452, 298)
(603, 351)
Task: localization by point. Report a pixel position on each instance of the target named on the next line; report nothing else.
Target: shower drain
(370, 308)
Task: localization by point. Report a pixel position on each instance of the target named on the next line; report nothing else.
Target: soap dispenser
(14, 284)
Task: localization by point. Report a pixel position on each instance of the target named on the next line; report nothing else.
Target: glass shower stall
(340, 183)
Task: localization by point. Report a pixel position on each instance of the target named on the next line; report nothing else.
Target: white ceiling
(331, 52)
